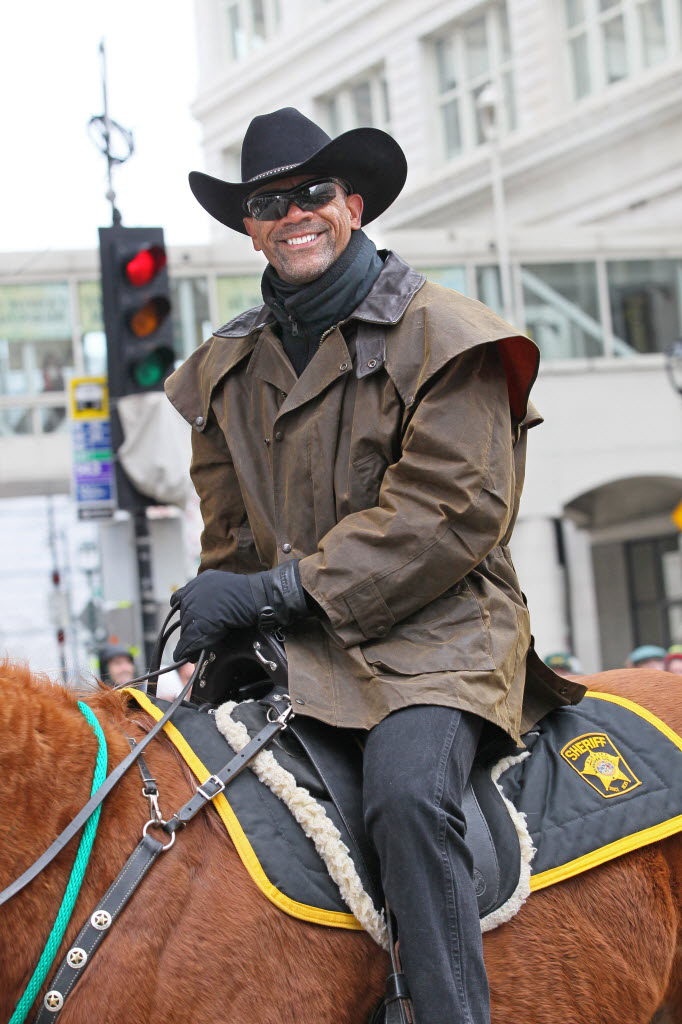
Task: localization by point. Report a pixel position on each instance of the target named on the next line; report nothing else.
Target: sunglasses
(308, 196)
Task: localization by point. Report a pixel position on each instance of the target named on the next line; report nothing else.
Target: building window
(489, 288)
(561, 309)
(362, 102)
(190, 314)
(236, 294)
(470, 55)
(36, 356)
(250, 24)
(655, 585)
(563, 314)
(646, 304)
(609, 40)
(450, 277)
(92, 338)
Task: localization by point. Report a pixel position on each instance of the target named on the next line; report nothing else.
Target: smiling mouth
(301, 239)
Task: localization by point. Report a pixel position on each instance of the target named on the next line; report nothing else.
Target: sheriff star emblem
(594, 756)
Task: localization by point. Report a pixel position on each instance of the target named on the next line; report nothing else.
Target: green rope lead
(75, 880)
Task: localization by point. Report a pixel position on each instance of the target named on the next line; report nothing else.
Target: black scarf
(305, 312)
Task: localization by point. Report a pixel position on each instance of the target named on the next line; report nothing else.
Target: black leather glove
(215, 602)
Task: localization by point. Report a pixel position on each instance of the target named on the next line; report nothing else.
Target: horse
(199, 944)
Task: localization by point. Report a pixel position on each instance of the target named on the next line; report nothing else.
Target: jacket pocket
(450, 634)
(366, 475)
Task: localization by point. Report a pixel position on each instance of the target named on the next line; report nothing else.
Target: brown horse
(198, 944)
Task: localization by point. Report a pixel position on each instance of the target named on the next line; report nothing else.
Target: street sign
(93, 481)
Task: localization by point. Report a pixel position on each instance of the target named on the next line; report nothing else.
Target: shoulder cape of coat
(447, 323)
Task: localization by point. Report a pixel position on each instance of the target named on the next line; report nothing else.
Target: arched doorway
(635, 560)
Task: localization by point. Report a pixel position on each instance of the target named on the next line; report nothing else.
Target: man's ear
(355, 204)
(250, 230)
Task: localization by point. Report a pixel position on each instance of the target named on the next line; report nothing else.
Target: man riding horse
(358, 449)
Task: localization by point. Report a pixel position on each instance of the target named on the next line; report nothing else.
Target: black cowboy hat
(285, 143)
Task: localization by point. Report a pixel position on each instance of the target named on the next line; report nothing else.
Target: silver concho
(76, 957)
(53, 1001)
(101, 920)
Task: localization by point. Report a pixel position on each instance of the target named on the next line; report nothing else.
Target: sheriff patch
(600, 764)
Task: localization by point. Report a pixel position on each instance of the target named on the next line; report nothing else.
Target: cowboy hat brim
(368, 158)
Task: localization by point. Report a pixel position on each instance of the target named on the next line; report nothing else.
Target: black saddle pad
(597, 780)
(327, 762)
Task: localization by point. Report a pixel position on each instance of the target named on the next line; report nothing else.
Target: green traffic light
(152, 369)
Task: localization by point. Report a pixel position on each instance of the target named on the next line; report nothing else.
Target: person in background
(646, 656)
(673, 660)
(117, 665)
(564, 664)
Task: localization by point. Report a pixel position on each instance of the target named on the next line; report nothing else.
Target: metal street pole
(107, 134)
(58, 596)
(488, 104)
(673, 365)
(143, 547)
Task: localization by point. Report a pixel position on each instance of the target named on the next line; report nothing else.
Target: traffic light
(136, 305)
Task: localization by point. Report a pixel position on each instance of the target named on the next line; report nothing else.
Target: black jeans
(416, 765)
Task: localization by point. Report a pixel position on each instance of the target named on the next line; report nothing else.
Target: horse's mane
(26, 692)
(39, 720)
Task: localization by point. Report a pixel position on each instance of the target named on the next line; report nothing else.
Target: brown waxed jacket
(392, 468)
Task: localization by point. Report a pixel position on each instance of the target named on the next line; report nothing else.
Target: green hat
(645, 653)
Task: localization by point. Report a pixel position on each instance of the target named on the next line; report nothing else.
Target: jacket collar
(393, 290)
(252, 320)
(387, 301)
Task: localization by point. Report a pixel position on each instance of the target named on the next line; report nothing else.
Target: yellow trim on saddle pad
(314, 915)
(631, 842)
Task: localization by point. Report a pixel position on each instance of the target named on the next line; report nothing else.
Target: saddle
(326, 763)
(594, 781)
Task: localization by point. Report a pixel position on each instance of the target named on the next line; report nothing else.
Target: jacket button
(279, 435)
(371, 363)
(286, 548)
(199, 421)
(343, 366)
(266, 440)
(563, 691)
(297, 700)
(381, 630)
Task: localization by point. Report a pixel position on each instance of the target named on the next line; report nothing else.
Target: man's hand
(215, 602)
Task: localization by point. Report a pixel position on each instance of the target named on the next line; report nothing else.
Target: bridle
(149, 848)
(96, 799)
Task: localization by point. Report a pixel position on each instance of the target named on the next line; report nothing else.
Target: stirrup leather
(396, 1007)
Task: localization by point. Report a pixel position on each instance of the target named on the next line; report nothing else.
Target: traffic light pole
(143, 548)
(118, 304)
(104, 130)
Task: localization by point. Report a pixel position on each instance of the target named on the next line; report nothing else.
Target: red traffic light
(145, 265)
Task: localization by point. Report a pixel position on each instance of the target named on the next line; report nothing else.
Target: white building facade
(544, 144)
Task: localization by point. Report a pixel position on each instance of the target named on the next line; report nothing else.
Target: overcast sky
(52, 177)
